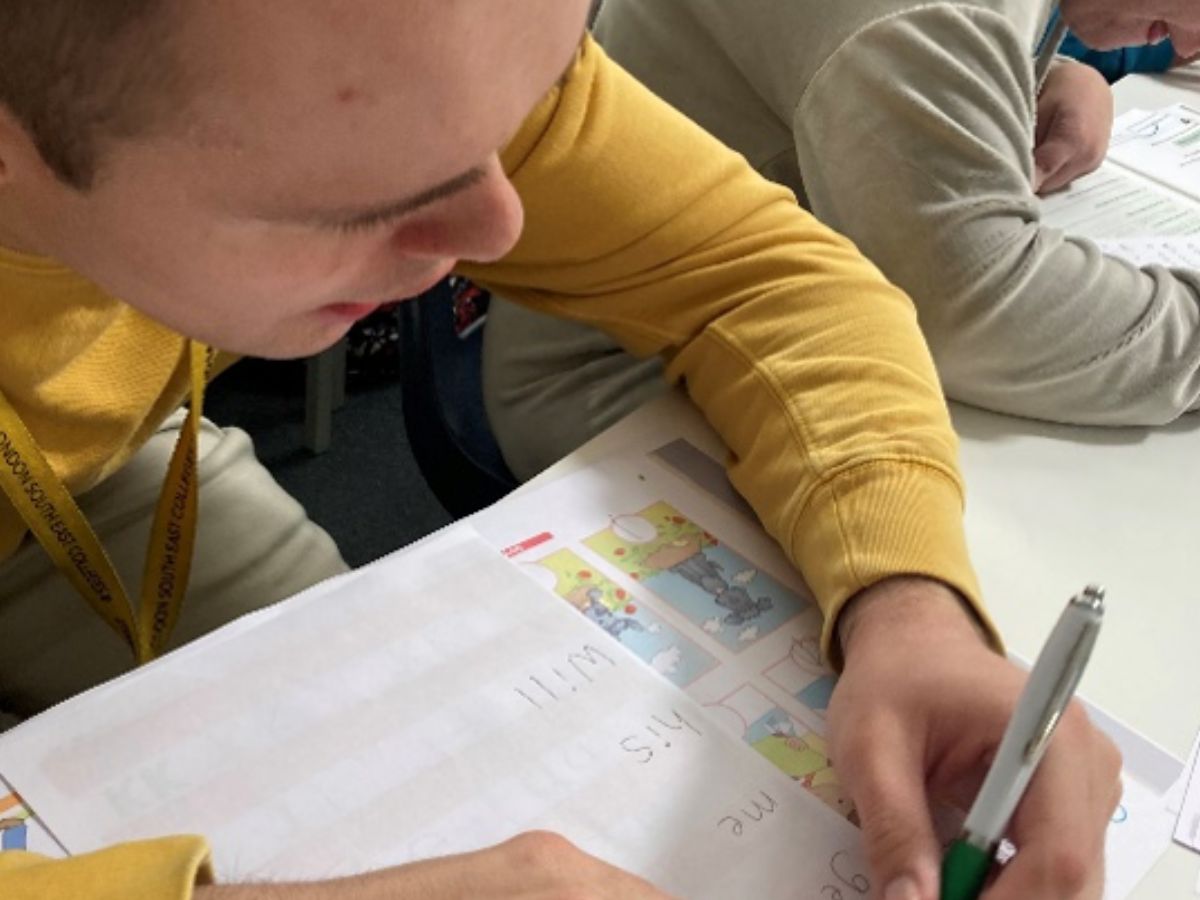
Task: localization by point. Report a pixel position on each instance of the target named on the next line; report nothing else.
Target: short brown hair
(76, 73)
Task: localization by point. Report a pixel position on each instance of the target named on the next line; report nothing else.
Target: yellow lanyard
(55, 519)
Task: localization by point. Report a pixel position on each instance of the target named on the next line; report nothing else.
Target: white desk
(1152, 91)
(1051, 508)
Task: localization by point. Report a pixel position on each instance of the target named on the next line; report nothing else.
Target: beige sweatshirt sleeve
(915, 140)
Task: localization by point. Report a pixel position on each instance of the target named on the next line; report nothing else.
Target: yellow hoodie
(806, 361)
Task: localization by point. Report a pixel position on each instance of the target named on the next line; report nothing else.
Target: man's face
(1105, 24)
(333, 155)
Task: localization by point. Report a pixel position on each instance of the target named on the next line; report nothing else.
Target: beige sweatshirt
(912, 123)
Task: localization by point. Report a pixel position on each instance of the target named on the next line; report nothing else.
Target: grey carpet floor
(366, 490)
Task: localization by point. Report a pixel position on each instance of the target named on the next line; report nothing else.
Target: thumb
(889, 793)
(1050, 157)
(1039, 176)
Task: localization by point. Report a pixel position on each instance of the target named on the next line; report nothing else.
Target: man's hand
(532, 866)
(1074, 122)
(916, 718)
(1109, 24)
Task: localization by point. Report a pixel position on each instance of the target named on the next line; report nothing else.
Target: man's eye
(367, 223)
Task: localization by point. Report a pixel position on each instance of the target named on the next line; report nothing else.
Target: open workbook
(1143, 203)
(621, 656)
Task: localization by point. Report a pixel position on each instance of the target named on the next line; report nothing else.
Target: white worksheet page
(1162, 145)
(659, 551)
(1148, 187)
(1115, 203)
(435, 702)
(1187, 828)
(1171, 252)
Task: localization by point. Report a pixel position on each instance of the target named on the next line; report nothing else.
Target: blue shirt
(1115, 64)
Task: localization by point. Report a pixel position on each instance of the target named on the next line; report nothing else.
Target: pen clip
(1091, 597)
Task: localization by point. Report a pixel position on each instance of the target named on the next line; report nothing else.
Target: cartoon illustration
(593, 608)
(699, 569)
(745, 576)
(794, 749)
(14, 833)
(803, 757)
(717, 589)
(803, 675)
(617, 612)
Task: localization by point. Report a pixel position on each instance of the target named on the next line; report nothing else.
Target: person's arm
(530, 866)
(804, 358)
(915, 140)
(811, 367)
(536, 865)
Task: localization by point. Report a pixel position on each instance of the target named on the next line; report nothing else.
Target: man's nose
(1186, 41)
(486, 221)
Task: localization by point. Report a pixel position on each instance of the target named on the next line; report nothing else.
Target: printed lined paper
(432, 703)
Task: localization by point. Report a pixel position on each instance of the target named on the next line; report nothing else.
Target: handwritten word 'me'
(757, 812)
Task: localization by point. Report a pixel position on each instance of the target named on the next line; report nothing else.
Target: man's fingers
(1057, 144)
(888, 788)
(1060, 846)
(1074, 120)
(1050, 165)
(1060, 159)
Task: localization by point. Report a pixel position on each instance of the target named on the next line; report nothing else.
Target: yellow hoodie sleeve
(808, 363)
(164, 869)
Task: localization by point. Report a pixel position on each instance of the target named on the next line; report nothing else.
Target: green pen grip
(964, 869)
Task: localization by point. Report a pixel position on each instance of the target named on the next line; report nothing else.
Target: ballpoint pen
(1049, 689)
(1050, 45)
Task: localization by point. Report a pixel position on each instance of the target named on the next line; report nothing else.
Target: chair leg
(325, 391)
(338, 351)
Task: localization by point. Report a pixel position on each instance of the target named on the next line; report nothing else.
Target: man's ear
(18, 152)
(24, 176)
(12, 136)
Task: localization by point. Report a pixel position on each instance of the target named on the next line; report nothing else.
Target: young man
(256, 175)
(912, 128)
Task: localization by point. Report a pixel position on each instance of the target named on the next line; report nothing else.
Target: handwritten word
(577, 672)
(756, 813)
(857, 882)
(645, 751)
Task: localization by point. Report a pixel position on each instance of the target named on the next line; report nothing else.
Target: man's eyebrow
(357, 217)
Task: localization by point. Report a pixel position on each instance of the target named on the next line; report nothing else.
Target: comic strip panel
(802, 674)
(612, 608)
(14, 823)
(20, 829)
(717, 590)
(793, 748)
